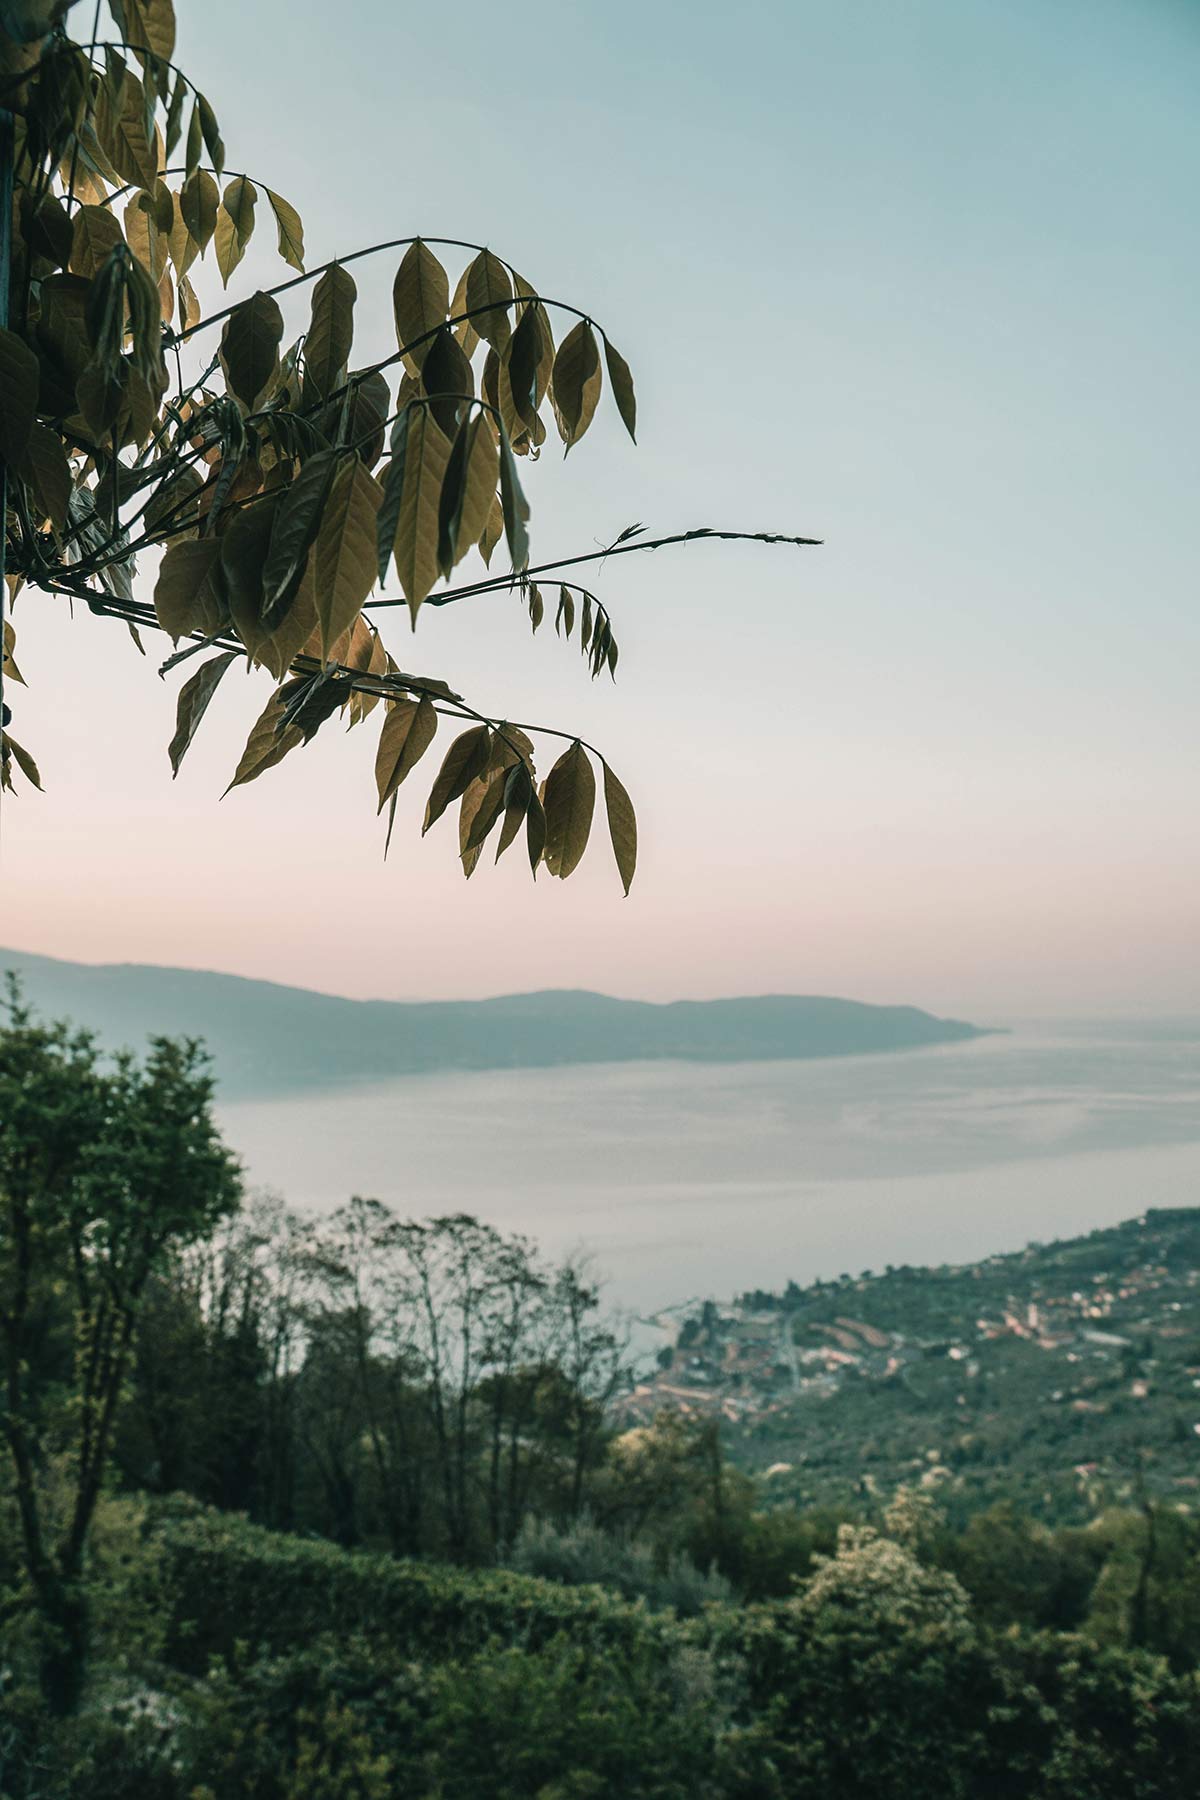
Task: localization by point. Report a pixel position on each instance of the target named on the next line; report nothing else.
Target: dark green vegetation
(360, 1522)
(270, 1039)
(1065, 1377)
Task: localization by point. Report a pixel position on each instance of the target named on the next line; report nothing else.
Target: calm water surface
(685, 1179)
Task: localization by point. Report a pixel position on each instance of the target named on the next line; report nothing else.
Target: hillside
(269, 1039)
(1063, 1376)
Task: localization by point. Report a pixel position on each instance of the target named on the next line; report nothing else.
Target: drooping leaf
(466, 758)
(235, 225)
(492, 532)
(245, 545)
(446, 371)
(420, 300)
(29, 769)
(199, 199)
(143, 236)
(565, 616)
(464, 331)
(266, 745)
(122, 133)
(148, 23)
(94, 232)
(518, 792)
(535, 832)
(331, 331)
(488, 287)
(295, 528)
(194, 697)
(426, 455)
(212, 135)
(570, 800)
(291, 231)
(189, 594)
(388, 516)
(361, 422)
(621, 382)
(575, 384)
(345, 549)
(622, 827)
(482, 806)
(409, 728)
(537, 606)
(19, 378)
(517, 389)
(515, 505)
(194, 143)
(467, 491)
(8, 658)
(250, 346)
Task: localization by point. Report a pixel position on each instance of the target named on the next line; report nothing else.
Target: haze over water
(687, 1179)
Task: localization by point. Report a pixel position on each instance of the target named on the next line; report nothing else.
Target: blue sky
(916, 278)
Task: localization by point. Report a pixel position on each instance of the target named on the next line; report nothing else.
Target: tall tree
(279, 483)
(103, 1171)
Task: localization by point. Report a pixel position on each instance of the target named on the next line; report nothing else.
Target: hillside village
(1089, 1347)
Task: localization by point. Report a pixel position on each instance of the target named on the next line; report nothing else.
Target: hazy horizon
(997, 1021)
(916, 281)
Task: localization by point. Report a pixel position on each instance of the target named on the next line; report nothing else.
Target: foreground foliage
(275, 483)
(290, 1670)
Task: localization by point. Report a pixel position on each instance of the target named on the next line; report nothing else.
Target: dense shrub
(583, 1554)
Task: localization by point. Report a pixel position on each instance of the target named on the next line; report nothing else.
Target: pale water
(685, 1179)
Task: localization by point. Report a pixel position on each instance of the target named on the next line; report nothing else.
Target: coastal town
(1093, 1344)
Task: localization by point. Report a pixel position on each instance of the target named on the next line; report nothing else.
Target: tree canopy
(282, 489)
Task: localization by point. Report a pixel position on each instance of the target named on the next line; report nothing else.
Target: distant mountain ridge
(270, 1039)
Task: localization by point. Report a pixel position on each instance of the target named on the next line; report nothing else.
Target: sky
(916, 279)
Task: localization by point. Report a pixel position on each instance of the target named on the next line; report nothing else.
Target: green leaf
(47, 472)
(235, 223)
(468, 489)
(565, 616)
(194, 697)
(622, 827)
(446, 370)
(420, 300)
(575, 384)
(267, 744)
(199, 198)
(426, 455)
(393, 488)
(621, 382)
(291, 231)
(212, 135)
(518, 792)
(147, 22)
(482, 805)
(29, 769)
(250, 344)
(409, 728)
(19, 377)
(330, 332)
(570, 800)
(189, 594)
(519, 377)
(122, 132)
(294, 532)
(345, 549)
(488, 287)
(535, 832)
(94, 233)
(245, 543)
(515, 505)
(466, 758)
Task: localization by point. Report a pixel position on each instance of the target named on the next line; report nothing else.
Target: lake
(696, 1179)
